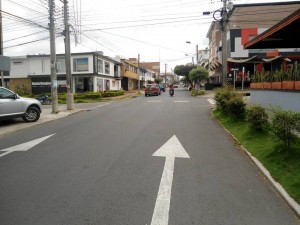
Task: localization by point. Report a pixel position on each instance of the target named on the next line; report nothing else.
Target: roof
(284, 34)
(236, 6)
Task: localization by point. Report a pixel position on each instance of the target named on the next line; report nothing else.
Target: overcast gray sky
(155, 29)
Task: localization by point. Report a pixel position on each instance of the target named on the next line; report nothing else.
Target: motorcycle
(44, 99)
(171, 92)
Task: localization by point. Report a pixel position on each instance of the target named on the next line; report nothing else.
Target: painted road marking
(96, 107)
(211, 101)
(170, 150)
(183, 101)
(155, 101)
(24, 147)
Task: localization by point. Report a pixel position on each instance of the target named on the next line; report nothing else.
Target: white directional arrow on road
(25, 146)
(171, 149)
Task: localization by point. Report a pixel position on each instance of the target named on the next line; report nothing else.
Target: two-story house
(129, 73)
(91, 71)
(244, 23)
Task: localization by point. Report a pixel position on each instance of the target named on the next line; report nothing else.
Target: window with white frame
(107, 67)
(61, 65)
(100, 66)
(80, 64)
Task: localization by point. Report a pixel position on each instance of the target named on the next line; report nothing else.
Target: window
(80, 64)
(107, 68)
(100, 66)
(60, 65)
(6, 94)
(17, 63)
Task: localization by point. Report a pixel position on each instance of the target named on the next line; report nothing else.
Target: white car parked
(14, 106)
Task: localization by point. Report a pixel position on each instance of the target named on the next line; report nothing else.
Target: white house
(91, 72)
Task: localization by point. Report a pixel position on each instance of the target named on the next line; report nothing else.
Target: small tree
(198, 74)
(157, 80)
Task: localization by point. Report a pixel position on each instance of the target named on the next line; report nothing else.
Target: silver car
(14, 106)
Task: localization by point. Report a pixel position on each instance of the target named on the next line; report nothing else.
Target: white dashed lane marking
(157, 101)
(211, 101)
(181, 101)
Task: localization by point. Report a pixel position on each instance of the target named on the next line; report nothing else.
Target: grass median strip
(283, 164)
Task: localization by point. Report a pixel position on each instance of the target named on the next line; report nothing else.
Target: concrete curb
(280, 190)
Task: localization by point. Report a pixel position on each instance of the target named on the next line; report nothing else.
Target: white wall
(90, 63)
(39, 66)
(19, 67)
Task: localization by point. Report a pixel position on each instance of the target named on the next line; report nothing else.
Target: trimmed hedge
(197, 92)
(113, 93)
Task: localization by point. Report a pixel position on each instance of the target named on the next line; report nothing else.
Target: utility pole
(70, 99)
(1, 42)
(165, 74)
(224, 43)
(138, 72)
(197, 55)
(53, 58)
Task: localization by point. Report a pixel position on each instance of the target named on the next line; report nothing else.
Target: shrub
(22, 89)
(93, 95)
(62, 96)
(197, 92)
(284, 125)
(113, 93)
(236, 106)
(230, 102)
(257, 117)
(86, 95)
(223, 95)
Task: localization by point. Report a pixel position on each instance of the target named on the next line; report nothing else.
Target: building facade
(244, 23)
(129, 73)
(90, 71)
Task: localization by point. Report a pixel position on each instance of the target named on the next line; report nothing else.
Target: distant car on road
(162, 87)
(152, 89)
(14, 106)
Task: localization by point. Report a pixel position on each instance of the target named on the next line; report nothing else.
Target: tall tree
(184, 70)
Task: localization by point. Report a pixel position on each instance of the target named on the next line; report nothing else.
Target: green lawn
(284, 165)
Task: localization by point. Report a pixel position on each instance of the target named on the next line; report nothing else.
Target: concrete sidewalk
(9, 126)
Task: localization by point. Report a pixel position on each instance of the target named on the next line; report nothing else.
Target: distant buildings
(91, 72)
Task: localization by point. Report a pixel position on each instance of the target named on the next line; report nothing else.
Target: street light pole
(165, 74)
(197, 57)
(188, 42)
(192, 58)
(224, 43)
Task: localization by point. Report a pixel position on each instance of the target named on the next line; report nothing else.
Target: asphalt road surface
(142, 161)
